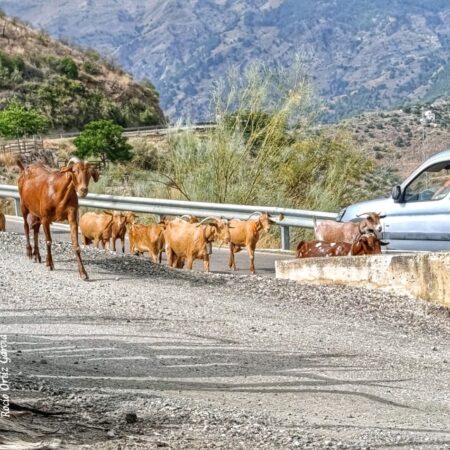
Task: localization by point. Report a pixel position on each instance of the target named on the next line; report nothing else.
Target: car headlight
(340, 214)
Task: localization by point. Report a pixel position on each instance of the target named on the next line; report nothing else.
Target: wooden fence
(22, 146)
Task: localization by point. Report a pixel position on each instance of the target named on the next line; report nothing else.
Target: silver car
(417, 214)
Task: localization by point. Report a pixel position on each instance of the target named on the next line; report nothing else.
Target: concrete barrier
(424, 276)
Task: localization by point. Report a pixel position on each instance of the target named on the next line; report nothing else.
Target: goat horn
(187, 216)
(205, 219)
(73, 160)
(256, 212)
(363, 214)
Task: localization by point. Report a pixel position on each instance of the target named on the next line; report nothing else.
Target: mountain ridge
(361, 54)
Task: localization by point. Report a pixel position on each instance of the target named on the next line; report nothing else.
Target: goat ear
(95, 174)
(65, 169)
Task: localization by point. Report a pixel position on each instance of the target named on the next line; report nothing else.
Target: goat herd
(49, 195)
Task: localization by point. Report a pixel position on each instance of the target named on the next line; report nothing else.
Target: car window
(432, 184)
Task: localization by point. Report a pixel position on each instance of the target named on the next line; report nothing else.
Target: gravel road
(144, 357)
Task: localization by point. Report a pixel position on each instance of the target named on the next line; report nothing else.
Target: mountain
(361, 54)
(71, 86)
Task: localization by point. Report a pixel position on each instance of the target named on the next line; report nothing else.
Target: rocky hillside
(399, 140)
(69, 85)
(361, 54)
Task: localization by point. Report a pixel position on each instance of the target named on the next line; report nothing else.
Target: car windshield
(431, 184)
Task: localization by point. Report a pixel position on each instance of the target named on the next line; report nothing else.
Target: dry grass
(7, 159)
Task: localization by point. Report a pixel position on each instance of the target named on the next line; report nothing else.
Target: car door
(421, 219)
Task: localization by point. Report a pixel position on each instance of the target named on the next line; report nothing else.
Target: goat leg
(206, 263)
(251, 255)
(26, 228)
(232, 260)
(36, 254)
(76, 248)
(48, 239)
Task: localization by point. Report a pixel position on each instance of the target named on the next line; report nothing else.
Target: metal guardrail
(284, 217)
(135, 131)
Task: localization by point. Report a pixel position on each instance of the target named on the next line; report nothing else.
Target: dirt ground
(144, 357)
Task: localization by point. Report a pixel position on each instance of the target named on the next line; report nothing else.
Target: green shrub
(148, 117)
(399, 142)
(103, 139)
(11, 63)
(91, 68)
(17, 121)
(68, 68)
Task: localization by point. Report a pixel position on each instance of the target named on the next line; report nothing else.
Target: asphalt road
(217, 360)
(264, 260)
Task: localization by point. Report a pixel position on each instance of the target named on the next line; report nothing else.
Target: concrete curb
(424, 275)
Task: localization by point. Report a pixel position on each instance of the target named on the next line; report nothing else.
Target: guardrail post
(17, 206)
(285, 240)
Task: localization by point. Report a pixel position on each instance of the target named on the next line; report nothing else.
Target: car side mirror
(397, 193)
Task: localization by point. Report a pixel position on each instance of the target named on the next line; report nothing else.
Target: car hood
(380, 205)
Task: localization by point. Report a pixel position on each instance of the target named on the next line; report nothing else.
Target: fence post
(285, 240)
(17, 206)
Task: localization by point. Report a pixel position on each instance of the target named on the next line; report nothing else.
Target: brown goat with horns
(245, 233)
(52, 195)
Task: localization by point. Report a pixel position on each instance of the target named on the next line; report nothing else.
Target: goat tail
(20, 163)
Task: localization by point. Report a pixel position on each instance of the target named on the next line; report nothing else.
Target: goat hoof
(83, 274)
